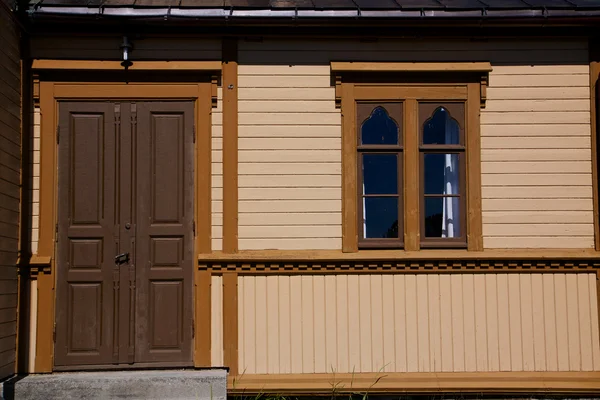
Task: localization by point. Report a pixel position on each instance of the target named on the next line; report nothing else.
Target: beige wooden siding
(289, 158)
(418, 323)
(216, 322)
(536, 155)
(217, 173)
(108, 48)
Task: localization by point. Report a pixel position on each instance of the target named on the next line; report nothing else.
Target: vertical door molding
(230, 145)
(45, 285)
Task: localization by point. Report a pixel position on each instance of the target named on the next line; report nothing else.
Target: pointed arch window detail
(442, 154)
(380, 171)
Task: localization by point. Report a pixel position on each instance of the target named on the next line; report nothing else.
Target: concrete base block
(156, 384)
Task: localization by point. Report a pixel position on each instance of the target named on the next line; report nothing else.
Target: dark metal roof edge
(144, 12)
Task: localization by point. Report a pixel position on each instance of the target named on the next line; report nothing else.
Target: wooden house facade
(320, 196)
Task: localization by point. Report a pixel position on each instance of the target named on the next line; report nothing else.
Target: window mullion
(411, 178)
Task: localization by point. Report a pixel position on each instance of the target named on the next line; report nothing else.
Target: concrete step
(155, 384)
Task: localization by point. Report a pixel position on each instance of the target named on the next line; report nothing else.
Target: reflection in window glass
(442, 217)
(380, 217)
(442, 175)
(380, 173)
(441, 128)
(379, 128)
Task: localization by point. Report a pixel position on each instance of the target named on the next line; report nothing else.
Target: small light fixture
(126, 47)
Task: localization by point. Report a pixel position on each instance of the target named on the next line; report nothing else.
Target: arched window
(442, 152)
(380, 170)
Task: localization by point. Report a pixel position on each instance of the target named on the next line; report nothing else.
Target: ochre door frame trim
(50, 94)
(230, 145)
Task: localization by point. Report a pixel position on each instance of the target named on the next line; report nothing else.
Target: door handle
(122, 258)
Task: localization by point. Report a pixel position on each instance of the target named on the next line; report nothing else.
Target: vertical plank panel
(262, 346)
(296, 312)
(551, 347)
(435, 330)
(481, 343)
(423, 319)
(446, 323)
(458, 337)
(389, 345)
(412, 334)
(469, 322)
(216, 324)
(593, 285)
(400, 322)
(562, 332)
(241, 327)
(204, 320)
(585, 322)
(273, 335)
(319, 323)
(331, 318)
(505, 344)
(353, 301)
(249, 338)
(230, 323)
(364, 325)
(343, 326)
(377, 348)
(527, 322)
(285, 330)
(492, 322)
(308, 325)
(573, 323)
(514, 305)
(539, 339)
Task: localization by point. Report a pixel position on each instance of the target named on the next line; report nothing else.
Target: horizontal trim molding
(137, 65)
(398, 261)
(342, 66)
(483, 382)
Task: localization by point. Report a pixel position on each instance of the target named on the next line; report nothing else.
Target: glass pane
(380, 217)
(442, 173)
(379, 128)
(441, 128)
(442, 217)
(380, 174)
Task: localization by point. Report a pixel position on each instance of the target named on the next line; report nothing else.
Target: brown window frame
(397, 150)
(385, 85)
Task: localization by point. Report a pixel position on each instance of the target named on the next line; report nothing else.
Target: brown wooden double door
(125, 234)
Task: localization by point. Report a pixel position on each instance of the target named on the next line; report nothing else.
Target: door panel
(86, 237)
(125, 187)
(165, 182)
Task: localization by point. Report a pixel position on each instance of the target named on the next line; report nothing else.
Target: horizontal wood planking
(433, 323)
(216, 324)
(10, 193)
(35, 184)
(290, 149)
(535, 128)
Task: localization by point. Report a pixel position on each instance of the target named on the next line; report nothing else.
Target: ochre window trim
(467, 84)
